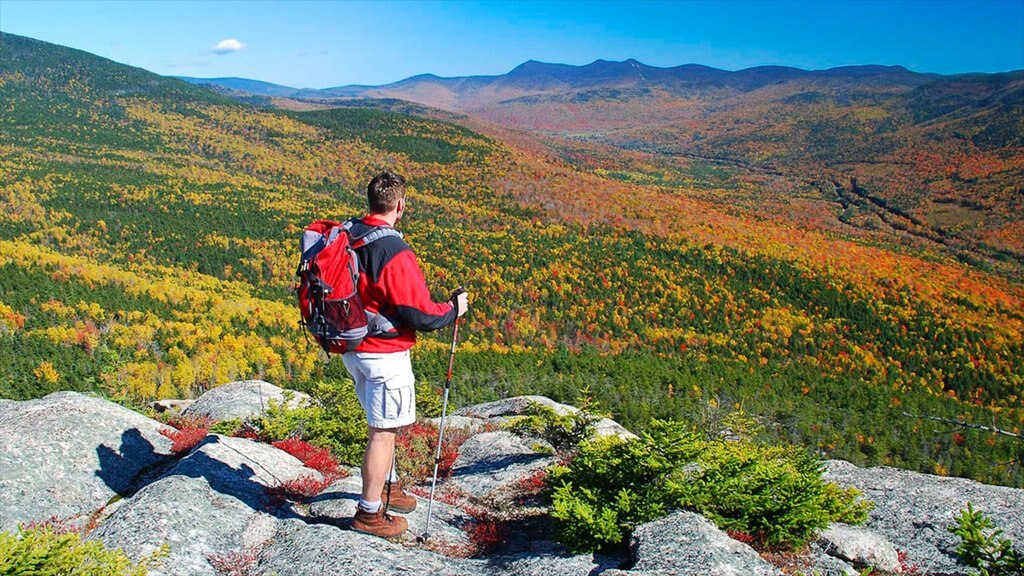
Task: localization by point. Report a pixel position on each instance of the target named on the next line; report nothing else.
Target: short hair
(384, 191)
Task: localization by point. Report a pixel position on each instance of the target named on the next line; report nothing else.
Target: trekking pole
(440, 430)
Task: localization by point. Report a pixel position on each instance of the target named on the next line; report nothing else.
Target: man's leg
(377, 462)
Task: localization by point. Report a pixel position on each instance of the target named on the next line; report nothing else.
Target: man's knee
(383, 434)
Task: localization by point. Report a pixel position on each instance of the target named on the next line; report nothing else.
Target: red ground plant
(247, 431)
(742, 536)
(907, 567)
(534, 483)
(446, 494)
(299, 489)
(417, 446)
(235, 563)
(319, 459)
(184, 439)
(57, 525)
(486, 532)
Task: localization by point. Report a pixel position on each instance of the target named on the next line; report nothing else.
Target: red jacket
(392, 285)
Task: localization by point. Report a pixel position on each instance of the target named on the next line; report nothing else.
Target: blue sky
(319, 44)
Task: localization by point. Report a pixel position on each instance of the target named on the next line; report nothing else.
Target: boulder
(300, 548)
(212, 503)
(859, 546)
(688, 544)
(513, 407)
(241, 400)
(468, 423)
(913, 510)
(69, 454)
(499, 411)
(492, 461)
(823, 564)
(546, 558)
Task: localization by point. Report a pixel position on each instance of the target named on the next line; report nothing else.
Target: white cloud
(228, 46)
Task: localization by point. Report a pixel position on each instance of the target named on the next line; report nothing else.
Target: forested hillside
(148, 230)
(933, 160)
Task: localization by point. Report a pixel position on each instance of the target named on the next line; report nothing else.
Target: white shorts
(385, 386)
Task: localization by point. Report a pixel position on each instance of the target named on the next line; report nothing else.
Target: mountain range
(938, 160)
(533, 77)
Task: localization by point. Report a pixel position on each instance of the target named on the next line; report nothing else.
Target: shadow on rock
(238, 482)
(495, 464)
(135, 464)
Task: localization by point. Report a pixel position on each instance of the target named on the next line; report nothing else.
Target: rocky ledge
(74, 456)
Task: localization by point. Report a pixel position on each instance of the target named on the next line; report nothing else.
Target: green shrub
(334, 420)
(41, 551)
(775, 494)
(226, 427)
(565, 432)
(428, 400)
(981, 546)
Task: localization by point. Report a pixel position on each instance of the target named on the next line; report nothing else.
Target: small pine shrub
(982, 546)
(334, 421)
(226, 427)
(565, 432)
(41, 551)
(773, 494)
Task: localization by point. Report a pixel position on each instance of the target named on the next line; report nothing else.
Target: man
(398, 304)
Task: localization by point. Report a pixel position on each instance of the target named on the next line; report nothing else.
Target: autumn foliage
(147, 250)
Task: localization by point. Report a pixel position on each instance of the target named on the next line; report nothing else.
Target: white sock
(393, 476)
(371, 507)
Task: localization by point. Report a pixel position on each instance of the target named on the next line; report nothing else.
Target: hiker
(398, 303)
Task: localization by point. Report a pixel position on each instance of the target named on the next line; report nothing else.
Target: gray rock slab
(213, 501)
(499, 411)
(546, 558)
(913, 510)
(493, 461)
(241, 400)
(688, 544)
(321, 549)
(337, 504)
(825, 565)
(513, 407)
(860, 546)
(69, 454)
(467, 423)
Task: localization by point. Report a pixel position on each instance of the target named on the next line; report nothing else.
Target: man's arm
(406, 289)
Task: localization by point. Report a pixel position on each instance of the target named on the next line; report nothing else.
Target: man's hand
(460, 299)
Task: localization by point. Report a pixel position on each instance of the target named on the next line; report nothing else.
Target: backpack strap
(373, 233)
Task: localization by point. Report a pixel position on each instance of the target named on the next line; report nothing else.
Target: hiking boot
(379, 523)
(399, 500)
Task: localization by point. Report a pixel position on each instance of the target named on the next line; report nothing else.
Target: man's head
(386, 193)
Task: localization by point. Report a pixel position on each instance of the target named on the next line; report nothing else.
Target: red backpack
(328, 286)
